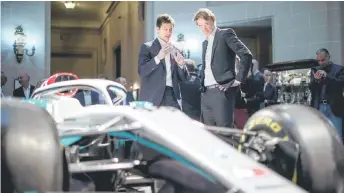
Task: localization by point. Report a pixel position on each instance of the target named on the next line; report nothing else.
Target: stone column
(149, 21)
(47, 38)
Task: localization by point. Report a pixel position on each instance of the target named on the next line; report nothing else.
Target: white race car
(279, 145)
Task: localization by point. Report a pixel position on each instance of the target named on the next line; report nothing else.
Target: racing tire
(31, 148)
(320, 161)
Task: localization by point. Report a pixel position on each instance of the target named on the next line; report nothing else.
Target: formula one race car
(120, 148)
(294, 143)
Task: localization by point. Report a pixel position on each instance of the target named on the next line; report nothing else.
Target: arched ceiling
(89, 14)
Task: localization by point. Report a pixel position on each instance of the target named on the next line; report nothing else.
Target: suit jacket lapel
(173, 64)
(268, 88)
(204, 46)
(22, 91)
(82, 98)
(94, 97)
(333, 70)
(31, 90)
(214, 44)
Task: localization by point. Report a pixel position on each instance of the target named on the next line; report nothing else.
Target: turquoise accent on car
(69, 140)
(162, 150)
(119, 143)
(38, 102)
(141, 104)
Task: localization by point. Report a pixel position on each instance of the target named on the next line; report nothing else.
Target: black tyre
(319, 168)
(31, 148)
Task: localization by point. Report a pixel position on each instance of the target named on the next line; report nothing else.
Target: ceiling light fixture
(70, 4)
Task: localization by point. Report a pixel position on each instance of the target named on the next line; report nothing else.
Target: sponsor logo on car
(250, 172)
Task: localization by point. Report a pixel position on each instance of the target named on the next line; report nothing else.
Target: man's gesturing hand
(166, 49)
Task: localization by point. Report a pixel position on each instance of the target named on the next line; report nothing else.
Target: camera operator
(327, 82)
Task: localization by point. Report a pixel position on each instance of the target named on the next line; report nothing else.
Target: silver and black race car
(282, 148)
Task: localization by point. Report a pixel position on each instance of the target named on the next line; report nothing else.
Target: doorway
(257, 36)
(117, 55)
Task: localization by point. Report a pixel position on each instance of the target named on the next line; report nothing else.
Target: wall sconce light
(19, 45)
(181, 40)
(70, 4)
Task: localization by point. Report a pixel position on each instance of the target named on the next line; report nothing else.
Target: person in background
(3, 82)
(122, 81)
(26, 90)
(270, 90)
(130, 97)
(253, 89)
(191, 92)
(327, 83)
(89, 97)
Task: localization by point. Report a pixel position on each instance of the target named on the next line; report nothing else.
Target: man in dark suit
(270, 90)
(26, 90)
(219, 81)
(161, 67)
(89, 97)
(327, 83)
(253, 89)
(191, 93)
(130, 97)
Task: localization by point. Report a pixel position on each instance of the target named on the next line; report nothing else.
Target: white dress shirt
(265, 86)
(87, 98)
(27, 92)
(168, 65)
(209, 78)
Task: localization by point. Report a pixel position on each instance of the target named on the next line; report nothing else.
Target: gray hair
(324, 51)
(121, 80)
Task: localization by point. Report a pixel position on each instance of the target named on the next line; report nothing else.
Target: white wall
(35, 20)
(299, 28)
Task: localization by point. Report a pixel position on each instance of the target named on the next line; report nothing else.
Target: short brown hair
(164, 18)
(205, 14)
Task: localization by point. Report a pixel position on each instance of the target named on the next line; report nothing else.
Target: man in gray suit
(218, 79)
(161, 67)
